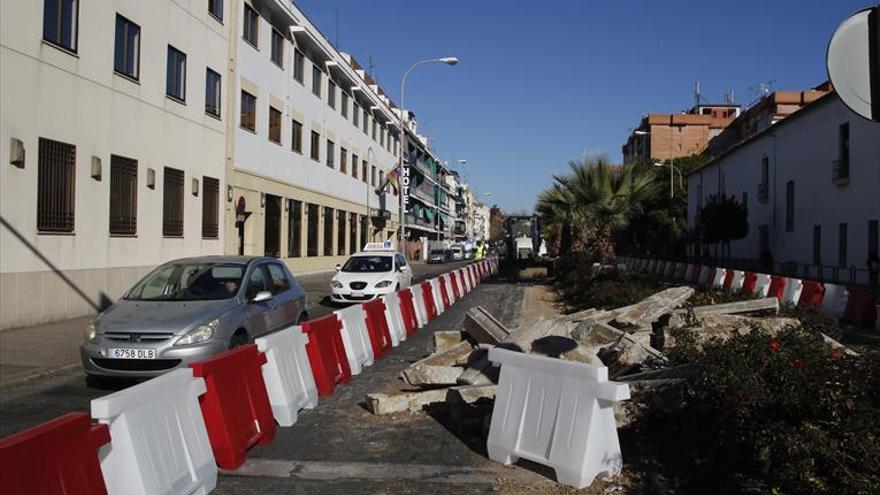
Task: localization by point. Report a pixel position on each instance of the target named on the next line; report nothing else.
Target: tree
(596, 200)
(723, 219)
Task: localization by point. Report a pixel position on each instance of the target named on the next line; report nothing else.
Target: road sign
(853, 61)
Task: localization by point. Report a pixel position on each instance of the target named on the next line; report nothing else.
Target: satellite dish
(853, 61)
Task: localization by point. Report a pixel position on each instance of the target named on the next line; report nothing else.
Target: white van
(457, 252)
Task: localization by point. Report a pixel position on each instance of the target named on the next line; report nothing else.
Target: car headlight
(91, 331)
(199, 334)
(384, 283)
(335, 284)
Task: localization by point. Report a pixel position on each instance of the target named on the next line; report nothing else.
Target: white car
(369, 274)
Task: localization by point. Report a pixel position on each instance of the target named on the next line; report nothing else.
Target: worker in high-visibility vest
(478, 255)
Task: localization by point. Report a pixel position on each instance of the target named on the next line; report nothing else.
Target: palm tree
(607, 197)
(556, 208)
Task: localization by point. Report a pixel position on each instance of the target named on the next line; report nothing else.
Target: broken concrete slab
(480, 370)
(765, 306)
(641, 314)
(472, 394)
(721, 326)
(444, 339)
(583, 354)
(595, 314)
(395, 402)
(442, 368)
(483, 327)
(593, 334)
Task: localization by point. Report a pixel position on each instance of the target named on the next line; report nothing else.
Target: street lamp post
(672, 168)
(404, 145)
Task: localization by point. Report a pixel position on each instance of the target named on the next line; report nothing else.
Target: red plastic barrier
(484, 270)
(728, 280)
(473, 274)
(377, 327)
(59, 456)
(408, 311)
(327, 353)
(777, 287)
(749, 282)
(444, 292)
(811, 294)
(453, 277)
(428, 296)
(861, 307)
(236, 406)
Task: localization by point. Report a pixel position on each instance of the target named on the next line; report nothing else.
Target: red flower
(774, 345)
(798, 362)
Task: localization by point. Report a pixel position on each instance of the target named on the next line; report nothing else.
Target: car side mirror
(261, 296)
(338, 267)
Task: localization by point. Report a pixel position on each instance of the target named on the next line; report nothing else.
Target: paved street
(339, 447)
(30, 354)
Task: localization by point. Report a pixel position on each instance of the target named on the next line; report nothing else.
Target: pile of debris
(630, 341)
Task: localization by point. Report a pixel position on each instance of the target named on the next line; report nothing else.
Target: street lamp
(369, 184)
(404, 145)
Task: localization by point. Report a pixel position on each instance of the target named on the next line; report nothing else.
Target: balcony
(840, 172)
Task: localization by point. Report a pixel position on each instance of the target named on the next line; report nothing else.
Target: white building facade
(811, 184)
(114, 146)
(314, 138)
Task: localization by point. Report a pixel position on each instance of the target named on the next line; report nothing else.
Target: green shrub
(705, 297)
(814, 319)
(765, 414)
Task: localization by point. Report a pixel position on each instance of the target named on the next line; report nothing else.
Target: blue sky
(541, 83)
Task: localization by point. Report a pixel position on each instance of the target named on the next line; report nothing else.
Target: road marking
(341, 471)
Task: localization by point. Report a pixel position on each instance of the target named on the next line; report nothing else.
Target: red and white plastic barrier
(355, 338)
(287, 374)
(159, 440)
(394, 317)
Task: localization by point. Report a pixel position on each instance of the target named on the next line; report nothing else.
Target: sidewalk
(28, 353)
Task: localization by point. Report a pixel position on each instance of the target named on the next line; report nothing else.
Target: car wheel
(239, 339)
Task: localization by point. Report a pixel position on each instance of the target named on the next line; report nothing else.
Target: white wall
(256, 154)
(802, 148)
(77, 99)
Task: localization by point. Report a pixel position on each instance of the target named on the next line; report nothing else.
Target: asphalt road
(317, 286)
(339, 447)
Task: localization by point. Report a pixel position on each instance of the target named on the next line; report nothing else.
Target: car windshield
(189, 281)
(368, 264)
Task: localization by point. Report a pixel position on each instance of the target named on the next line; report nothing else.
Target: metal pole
(671, 178)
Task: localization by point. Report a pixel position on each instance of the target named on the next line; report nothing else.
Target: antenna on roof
(762, 89)
(370, 67)
(338, 46)
(697, 97)
(729, 97)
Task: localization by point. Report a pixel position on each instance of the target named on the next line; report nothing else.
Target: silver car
(189, 309)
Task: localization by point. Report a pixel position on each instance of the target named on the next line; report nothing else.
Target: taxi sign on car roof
(379, 246)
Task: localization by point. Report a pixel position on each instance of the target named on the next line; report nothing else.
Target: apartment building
(669, 136)
(314, 139)
(810, 183)
(113, 128)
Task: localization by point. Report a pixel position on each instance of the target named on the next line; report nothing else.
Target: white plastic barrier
(834, 300)
(659, 267)
(705, 273)
(356, 337)
(680, 271)
(762, 284)
(288, 374)
(736, 284)
(394, 318)
(438, 300)
(447, 279)
(557, 413)
(419, 303)
(718, 278)
(464, 280)
(159, 441)
(792, 292)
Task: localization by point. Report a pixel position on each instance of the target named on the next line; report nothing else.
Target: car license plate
(357, 293)
(131, 353)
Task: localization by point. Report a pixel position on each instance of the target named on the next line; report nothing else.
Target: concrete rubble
(630, 341)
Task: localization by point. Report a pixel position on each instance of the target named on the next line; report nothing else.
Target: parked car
(376, 271)
(190, 309)
(440, 256)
